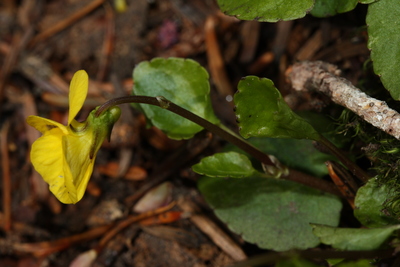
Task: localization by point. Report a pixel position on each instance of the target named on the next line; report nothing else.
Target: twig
(323, 77)
(283, 30)
(312, 182)
(66, 22)
(128, 221)
(343, 181)
(42, 249)
(215, 60)
(313, 44)
(250, 33)
(19, 43)
(354, 168)
(181, 156)
(5, 165)
(212, 230)
(108, 43)
(45, 248)
(261, 62)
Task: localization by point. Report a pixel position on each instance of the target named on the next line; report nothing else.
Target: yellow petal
(77, 93)
(48, 158)
(76, 150)
(44, 125)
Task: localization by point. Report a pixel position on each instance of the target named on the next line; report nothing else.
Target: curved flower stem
(166, 104)
(230, 137)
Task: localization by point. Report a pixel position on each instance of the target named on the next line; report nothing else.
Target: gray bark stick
(324, 77)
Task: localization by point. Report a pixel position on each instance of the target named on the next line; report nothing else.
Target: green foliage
(359, 263)
(230, 164)
(294, 153)
(269, 115)
(295, 262)
(274, 214)
(370, 202)
(384, 42)
(383, 39)
(325, 8)
(264, 10)
(353, 238)
(183, 82)
(378, 200)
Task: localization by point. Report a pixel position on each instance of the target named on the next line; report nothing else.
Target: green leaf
(384, 42)
(266, 10)
(325, 8)
(295, 262)
(353, 238)
(359, 263)
(261, 111)
(367, 1)
(229, 164)
(183, 82)
(296, 154)
(369, 205)
(272, 213)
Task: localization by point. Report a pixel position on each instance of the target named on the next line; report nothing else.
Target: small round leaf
(261, 111)
(272, 213)
(181, 81)
(262, 10)
(229, 164)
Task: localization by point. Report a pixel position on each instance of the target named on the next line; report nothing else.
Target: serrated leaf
(261, 111)
(264, 10)
(229, 164)
(325, 8)
(369, 205)
(274, 214)
(384, 42)
(353, 238)
(183, 82)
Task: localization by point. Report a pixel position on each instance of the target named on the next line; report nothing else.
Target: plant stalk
(166, 104)
(230, 137)
(354, 168)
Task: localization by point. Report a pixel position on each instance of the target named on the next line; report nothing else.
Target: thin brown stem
(242, 144)
(6, 176)
(354, 168)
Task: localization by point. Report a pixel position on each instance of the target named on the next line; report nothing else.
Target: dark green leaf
(384, 42)
(261, 111)
(369, 205)
(229, 164)
(272, 213)
(325, 8)
(183, 82)
(295, 262)
(359, 263)
(368, 1)
(265, 10)
(353, 238)
(296, 154)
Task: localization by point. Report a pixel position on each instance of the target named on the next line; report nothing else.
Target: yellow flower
(65, 155)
